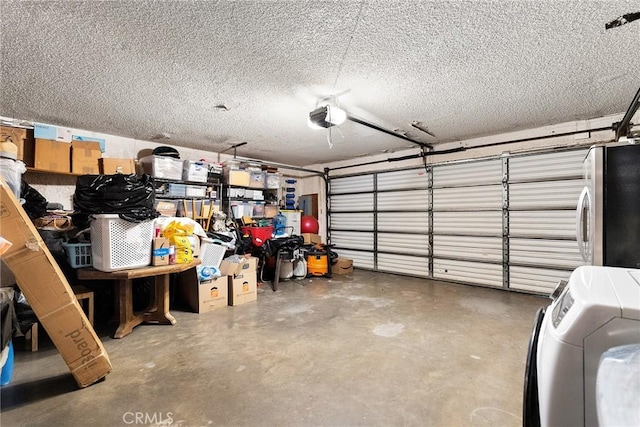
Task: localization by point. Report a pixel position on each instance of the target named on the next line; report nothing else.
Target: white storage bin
(195, 191)
(273, 180)
(257, 179)
(195, 171)
(117, 244)
(161, 167)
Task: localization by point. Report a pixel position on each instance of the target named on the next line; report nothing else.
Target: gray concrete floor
(357, 350)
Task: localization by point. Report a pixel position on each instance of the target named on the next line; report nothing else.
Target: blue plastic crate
(78, 254)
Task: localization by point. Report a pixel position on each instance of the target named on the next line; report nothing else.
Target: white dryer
(597, 309)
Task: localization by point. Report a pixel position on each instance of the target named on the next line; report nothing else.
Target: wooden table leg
(160, 312)
(128, 320)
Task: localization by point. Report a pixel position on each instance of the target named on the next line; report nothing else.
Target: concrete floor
(357, 350)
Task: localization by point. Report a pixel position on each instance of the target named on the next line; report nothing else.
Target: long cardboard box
(49, 294)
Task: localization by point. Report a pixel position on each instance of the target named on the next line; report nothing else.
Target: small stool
(81, 294)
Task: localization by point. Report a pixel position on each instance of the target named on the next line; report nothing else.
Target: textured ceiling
(209, 75)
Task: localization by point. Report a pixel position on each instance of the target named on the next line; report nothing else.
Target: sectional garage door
(381, 220)
(507, 222)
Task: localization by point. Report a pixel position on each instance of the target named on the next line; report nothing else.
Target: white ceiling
(152, 70)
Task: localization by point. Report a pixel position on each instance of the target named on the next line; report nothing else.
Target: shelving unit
(42, 171)
(196, 200)
(239, 201)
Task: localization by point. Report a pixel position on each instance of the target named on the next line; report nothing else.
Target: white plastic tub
(117, 244)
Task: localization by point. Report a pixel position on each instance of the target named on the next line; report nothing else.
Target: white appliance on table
(608, 211)
(597, 309)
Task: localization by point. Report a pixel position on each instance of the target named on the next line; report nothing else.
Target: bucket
(259, 235)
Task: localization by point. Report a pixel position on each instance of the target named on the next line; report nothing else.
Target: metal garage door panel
(404, 222)
(417, 244)
(360, 259)
(542, 252)
(542, 167)
(352, 202)
(352, 240)
(398, 180)
(467, 198)
(352, 221)
(411, 265)
(351, 184)
(487, 223)
(468, 272)
(545, 195)
(472, 173)
(536, 279)
(465, 247)
(411, 200)
(547, 224)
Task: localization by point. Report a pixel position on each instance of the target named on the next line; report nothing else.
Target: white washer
(599, 308)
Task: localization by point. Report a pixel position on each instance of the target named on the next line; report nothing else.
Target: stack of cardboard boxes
(48, 148)
(237, 285)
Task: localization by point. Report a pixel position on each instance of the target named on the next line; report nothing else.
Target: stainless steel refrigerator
(608, 211)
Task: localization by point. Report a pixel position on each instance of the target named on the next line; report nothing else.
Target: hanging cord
(344, 55)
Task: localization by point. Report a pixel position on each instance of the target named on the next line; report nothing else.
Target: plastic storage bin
(259, 235)
(195, 171)
(161, 167)
(78, 254)
(117, 244)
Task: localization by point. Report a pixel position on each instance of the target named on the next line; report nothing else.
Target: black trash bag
(130, 196)
(35, 205)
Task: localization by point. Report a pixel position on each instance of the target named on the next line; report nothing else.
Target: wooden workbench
(158, 309)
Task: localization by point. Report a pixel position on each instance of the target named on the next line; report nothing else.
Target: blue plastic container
(7, 368)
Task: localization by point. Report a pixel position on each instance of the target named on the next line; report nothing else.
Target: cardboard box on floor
(311, 239)
(342, 266)
(203, 296)
(243, 280)
(49, 294)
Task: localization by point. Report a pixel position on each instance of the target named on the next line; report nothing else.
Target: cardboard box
(49, 294)
(52, 156)
(160, 254)
(342, 266)
(237, 177)
(204, 296)
(243, 280)
(111, 166)
(23, 139)
(311, 239)
(84, 157)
